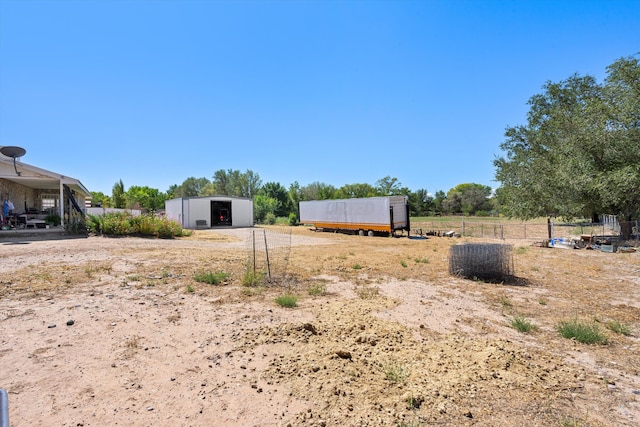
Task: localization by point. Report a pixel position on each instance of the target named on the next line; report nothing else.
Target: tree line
(577, 156)
(272, 200)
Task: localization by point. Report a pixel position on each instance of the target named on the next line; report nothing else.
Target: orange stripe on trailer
(350, 226)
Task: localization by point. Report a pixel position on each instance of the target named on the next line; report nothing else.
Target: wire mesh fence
(630, 230)
(268, 252)
(484, 261)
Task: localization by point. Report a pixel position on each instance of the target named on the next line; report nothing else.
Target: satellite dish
(13, 152)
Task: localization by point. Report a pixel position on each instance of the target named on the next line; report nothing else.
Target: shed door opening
(220, 213)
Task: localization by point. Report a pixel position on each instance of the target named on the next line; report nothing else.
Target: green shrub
(619, 328)
(522, 324)
(125, 224)
(293, 219)
(270, 218)
(53, 219)
(317, 289)
(168, 228)
(94, 224)
(210, 277)
(395, 372)
(582, 332)
(403, 263)
(506, 304)
(287, 300)
(252, 278)
(116, 224)
(76, 225)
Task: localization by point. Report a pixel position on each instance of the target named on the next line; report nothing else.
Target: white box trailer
(370, 215)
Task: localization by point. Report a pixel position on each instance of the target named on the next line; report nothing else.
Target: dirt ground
(115, 331)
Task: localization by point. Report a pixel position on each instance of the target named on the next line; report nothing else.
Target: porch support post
(61, 207)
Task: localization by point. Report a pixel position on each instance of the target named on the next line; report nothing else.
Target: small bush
(293, 219)
(252, 278)
(287, 301)
(76, 225)
(94, 224)
(317, 289)
(522, 324)
(210, 277)
(619, 328)
(582, 332)
(421, 260)
(53, 219)
(270, 218)
(252, 291)
(506, 304)
(357, 266)
(403, 263)
(395, 372)
(190, 289)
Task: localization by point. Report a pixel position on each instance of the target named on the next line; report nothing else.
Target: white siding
(191, 209)
(372, 211)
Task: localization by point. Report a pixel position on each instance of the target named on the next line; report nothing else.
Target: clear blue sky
(342, 92)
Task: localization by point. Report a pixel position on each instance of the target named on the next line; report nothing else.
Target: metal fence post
(266, 251)
(253, 233)
(4, 408)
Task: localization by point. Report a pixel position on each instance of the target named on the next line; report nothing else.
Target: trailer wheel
(360, 232)
(370, 233)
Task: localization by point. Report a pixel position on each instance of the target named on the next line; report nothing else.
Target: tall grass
(287, 300)
(582, 332)
(522, 324)
(210, 277)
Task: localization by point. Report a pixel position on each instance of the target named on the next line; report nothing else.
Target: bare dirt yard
(116, 331)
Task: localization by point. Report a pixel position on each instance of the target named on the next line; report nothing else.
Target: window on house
(49, 201)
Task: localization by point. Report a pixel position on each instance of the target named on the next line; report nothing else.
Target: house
(30, 194)
(210, 211)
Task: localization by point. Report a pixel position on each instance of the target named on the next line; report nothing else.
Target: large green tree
(99, 199)
(233, 183)
(420, 203)
(317, 191)
(579, 152)
(190, 187)
(468, 199)
(118, 196)
(149, 199)
(349, 191)
(276, 191)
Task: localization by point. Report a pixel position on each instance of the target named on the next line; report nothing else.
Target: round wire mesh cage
(490, 262)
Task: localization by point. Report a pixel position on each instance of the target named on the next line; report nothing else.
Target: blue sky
(342, 92)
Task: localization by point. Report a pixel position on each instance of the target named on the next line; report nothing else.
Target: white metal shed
(210, 211)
